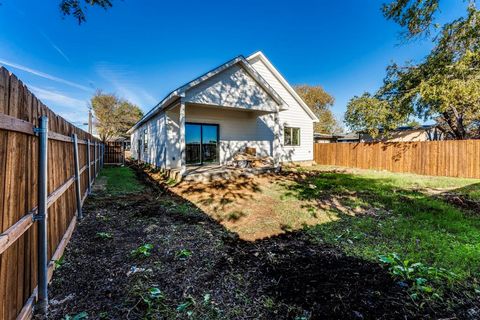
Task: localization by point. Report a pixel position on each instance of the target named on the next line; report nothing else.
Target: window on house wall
(291, 136)
(145, 140)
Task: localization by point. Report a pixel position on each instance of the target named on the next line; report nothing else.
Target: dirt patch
(196, 269)
(255, 207)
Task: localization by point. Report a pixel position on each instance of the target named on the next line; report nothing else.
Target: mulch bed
(222, 277)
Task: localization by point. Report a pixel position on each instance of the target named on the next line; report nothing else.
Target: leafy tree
(416, 16)
(114, 116)
(445, 86)
(320, 102)
(77, 8)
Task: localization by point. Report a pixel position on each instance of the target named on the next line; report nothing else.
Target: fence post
(88, 167)
(41, 216)
(123, 153)
(95, 160)
(77, 177)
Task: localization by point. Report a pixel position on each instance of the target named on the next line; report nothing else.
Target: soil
(204, 271)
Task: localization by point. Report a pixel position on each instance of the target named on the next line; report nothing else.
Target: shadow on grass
(376, 217)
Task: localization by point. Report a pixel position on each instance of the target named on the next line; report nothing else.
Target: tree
(77, 8)
(445, 86)
(319, 102)
(417, 16)
(114, 116)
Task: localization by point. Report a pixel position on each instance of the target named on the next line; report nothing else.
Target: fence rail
(20, 207)
(456, 158)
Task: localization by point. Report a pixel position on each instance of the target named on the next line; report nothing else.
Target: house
(426, 132)
(400, 134)
(244, 103)
(325, 137)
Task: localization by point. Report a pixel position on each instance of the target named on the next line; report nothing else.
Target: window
(145, 140)
(291, 136)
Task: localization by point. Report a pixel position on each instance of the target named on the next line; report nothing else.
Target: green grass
(120, 180)
(406, 220)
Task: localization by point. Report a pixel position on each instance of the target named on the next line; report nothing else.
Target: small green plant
(79, 316)
(183, 208)
(142, 251)
(59, 262)
(104, 235)
(183, 254)
(420, 278)
(152, 298)
(103, 315)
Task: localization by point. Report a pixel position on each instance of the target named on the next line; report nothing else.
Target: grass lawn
(158, 255)
(366, 213)
(401, 213)
(119, 180)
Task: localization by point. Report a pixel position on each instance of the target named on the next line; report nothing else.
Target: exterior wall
(156, 133)
(237, 130)
(233, 87)
(295, 116)
(400, 136)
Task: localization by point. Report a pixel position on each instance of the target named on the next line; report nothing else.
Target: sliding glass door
(201, 142)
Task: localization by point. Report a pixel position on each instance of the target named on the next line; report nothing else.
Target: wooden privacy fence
(455, 158)
(114, 152)
(29, 195)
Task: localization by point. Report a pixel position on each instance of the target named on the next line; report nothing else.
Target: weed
(420, 278)
(268, 303)
(205, 309)
(183, 254)
(78, 316)
(153, 300)
(142, 251)
(59, 262)
(183, 208)
(104, 235)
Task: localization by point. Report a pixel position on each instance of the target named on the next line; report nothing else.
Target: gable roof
(180, 92)
(284, 82)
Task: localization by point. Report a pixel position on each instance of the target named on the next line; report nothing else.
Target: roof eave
(284, 82)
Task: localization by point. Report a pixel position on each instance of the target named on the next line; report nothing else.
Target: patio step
(224, 174)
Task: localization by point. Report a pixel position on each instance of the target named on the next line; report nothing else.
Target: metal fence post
(41, 216)
(88, 167)
(123, 153)
(77, 177)
(94, 160)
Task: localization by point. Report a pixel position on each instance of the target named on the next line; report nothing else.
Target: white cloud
(54, 46)
(44, 75)
(124, 85)
(58, 98)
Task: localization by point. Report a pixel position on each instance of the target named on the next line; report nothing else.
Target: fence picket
(435, 158)
(19, 113)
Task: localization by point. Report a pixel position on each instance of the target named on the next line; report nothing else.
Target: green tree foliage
(77, 8)
(416, 16)
(445, 86)
(320, 102)
(114, 116)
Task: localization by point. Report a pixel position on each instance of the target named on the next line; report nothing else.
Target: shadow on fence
(452, 158)
(47, 169)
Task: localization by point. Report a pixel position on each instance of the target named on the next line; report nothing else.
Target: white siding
(237, 130)
(295, 116)
(232, 87)
(156, 151)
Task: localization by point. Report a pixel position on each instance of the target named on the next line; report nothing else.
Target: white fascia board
(284, 82)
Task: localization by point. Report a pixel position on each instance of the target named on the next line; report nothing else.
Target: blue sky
(142, 49)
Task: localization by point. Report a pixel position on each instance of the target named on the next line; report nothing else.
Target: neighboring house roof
(180, 92)
(284, 82)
